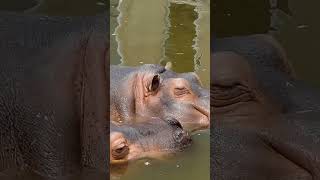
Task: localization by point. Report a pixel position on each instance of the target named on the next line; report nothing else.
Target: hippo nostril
(186, 141)
(178, 136)
(183, 138)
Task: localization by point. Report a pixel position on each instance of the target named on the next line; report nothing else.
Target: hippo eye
(181, 91)
(120, 151)
(155, 83)
(173, 122)
(223, 96)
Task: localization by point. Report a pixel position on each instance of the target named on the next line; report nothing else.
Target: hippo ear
(168, 66)
(155, 84)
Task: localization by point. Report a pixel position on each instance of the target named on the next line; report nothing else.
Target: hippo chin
(155, 138)
(154, 91)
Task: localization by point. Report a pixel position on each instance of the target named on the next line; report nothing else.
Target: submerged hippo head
(155, 138)
(154, 91)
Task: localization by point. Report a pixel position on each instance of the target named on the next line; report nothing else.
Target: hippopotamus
(287, 150)
(54, 94)
(252, 80)
(262, 113)
(152, 90)
(154, 138)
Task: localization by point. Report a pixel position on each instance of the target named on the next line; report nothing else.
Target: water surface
(157, 32)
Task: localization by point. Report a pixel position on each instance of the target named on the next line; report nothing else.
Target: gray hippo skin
(155, 138)
(53, 94)
(266, 121)
(155, 91)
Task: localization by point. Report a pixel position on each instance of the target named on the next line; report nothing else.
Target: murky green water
(156, 32)
(159, 31)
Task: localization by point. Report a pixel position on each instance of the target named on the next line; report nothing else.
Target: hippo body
(53, 94)
(288, 150)
(154, 91)
(266, 120)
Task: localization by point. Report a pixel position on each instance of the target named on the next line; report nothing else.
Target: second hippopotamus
(155, 138)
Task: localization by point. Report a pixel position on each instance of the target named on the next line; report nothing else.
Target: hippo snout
(183, 138)
(203, 106)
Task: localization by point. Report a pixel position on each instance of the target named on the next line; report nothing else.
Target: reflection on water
(181, 32)
(160, 31)
(142, 31)
(156, 32)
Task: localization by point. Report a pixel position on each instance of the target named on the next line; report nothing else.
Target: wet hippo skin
(252, 79)
(155, 91)
(267, 125)
(153, 138)
(53, 94)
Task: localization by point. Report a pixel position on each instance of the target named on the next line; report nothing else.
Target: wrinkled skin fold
(265, 121)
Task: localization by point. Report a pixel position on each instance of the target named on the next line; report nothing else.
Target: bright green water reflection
(159, 31)
(156, 32)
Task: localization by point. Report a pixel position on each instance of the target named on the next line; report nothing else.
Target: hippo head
(236, 94)
(154, 91)
(155, 138)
